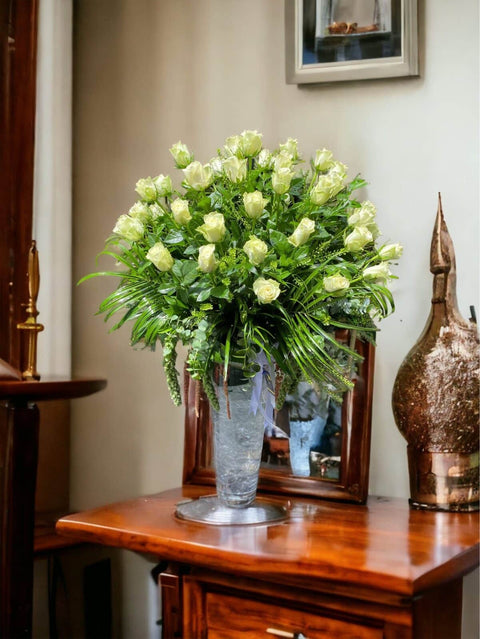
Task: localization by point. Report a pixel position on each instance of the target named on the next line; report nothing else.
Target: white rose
(266, 290)
(160, 257)
(250, 143)
(390, 251)
(281, 179)
(129, 228)
(357, 239)
(206, 258)
(264, 159)
(339, 169)
(155, 210)
(254, 203)
(322, 190)
(235, 169)
(256, 250)
(146, 189)
(303, 231)
(374, 230)
(323, 160)
(337, 178)
(282, 160)
(335, 283)
(232, 145)
(290, 147)
(213, 229)
(180, 211)
(217, 166)
(181, 155)
(363, 216)
(163, 184)
(198, 176)
(377, 272)
(141, 211)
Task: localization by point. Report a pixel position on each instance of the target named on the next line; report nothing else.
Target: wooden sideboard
(19, 431)
(329, 569)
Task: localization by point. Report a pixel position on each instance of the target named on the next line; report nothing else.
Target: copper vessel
(436, 395)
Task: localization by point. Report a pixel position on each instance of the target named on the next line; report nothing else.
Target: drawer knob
(286, 634)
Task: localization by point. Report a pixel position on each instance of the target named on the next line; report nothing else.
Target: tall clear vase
(246, 409)
(238, 428)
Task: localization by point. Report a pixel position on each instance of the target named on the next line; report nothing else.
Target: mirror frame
(354, 473)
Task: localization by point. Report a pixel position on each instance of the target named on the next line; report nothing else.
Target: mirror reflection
(305, 439)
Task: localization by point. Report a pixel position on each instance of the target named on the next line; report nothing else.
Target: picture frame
(351, 484)
(341, 40)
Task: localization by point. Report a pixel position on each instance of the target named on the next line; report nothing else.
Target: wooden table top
(53, 387)
(383, 545)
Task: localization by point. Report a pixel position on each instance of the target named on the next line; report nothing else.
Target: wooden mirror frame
(354, 472)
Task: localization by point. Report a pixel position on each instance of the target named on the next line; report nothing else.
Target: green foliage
(250, 255)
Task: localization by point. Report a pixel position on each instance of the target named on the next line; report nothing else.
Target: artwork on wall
(334, 40)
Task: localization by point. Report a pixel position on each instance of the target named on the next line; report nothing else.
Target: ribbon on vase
(264, 384)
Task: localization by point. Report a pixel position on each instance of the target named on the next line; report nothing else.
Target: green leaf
(280, 241)
(174, 236)
(204, 294)
(216, 200)
(221, 292)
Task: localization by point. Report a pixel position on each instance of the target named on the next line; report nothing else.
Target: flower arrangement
(256, 251)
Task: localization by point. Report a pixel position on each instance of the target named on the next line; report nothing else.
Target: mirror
(315, 446)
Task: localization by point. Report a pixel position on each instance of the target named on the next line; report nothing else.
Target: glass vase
(238, 429)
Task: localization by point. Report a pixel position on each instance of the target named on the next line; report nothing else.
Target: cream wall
(147, 73)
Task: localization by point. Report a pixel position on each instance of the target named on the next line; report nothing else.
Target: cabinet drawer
(231, 617)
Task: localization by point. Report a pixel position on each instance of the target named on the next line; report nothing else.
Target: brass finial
(30, 325)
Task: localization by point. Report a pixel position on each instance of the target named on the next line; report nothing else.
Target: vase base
(468, 507)
(209, 510)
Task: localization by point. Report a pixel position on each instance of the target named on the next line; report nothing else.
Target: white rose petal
(266, 290)
(163, 184)
(160, 256)
(206, 258)
(335, 283)
(180, 211)
(357, 239)
(146, 189)
(235, 169)
(256, 250)
(281, 179)
(250, 143)
(181, 155)
(390, 251)
(254, 204)
(303, 231)
(129, 228)
(141, 211)
(377, 272)
(323, 160)
(213, 229)
(198, 176)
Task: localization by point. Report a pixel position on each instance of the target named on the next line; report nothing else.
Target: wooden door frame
(18, 67)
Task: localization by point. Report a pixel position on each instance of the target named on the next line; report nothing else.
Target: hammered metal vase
(436, 395)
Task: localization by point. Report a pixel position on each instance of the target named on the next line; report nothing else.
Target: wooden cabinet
(216, 606)
(244, 614)
(19, 434)
(329, 570)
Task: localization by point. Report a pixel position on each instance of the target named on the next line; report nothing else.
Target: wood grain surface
(382, 546)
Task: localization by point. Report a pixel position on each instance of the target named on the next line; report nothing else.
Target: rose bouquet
(256, 251)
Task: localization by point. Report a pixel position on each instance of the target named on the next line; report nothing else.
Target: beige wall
(148, 73)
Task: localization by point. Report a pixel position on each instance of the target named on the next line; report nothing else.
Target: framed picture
(314, 447)
(337, 40)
